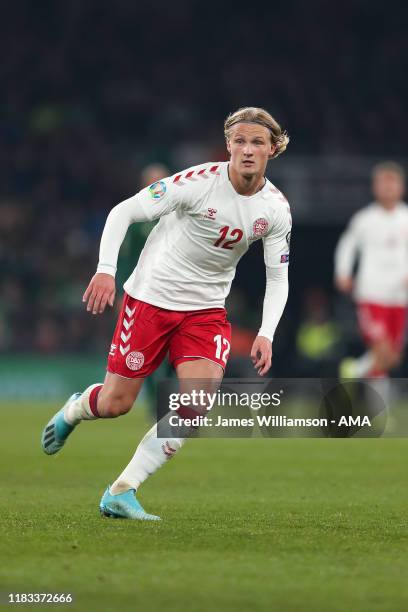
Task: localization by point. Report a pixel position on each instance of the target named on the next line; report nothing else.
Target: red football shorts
(145, 333)
(379, 322)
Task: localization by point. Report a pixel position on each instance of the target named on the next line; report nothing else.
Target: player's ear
(228, 146)
(272, 151)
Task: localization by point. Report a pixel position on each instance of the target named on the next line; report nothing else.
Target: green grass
(257, 524)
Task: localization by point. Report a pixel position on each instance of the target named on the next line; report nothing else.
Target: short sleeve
(277, 242)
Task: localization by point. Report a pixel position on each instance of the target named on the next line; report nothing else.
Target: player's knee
(115, 405)
(391, 359)
(384, 355)
(395, 360)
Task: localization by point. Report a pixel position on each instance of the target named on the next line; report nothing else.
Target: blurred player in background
(174, 299)
(378, 236)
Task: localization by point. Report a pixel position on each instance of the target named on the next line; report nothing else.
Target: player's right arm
(345, 255)
(150, 203)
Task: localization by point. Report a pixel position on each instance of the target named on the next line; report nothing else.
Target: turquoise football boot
(57, 430)
(124, 505)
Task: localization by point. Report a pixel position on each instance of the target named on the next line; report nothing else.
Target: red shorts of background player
(379, 322)
(145, 333)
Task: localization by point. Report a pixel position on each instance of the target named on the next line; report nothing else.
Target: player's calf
(117, 395)
(112, 404)
(387, 357)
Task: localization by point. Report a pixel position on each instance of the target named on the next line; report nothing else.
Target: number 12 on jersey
(220, 341)
(227, 244)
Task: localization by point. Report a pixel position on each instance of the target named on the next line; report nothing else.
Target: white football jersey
(380, 238)
(190, 256)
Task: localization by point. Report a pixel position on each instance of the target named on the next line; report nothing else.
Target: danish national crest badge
(260, 228)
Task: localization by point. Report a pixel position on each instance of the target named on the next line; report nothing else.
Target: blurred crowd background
(94, 93)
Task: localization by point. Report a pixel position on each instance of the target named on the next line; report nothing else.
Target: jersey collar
(264, 192)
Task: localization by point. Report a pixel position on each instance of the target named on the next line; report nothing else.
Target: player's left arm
(276, 255)
(346, 252)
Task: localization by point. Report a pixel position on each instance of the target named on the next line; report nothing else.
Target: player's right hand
(344, 284)
(101, 291)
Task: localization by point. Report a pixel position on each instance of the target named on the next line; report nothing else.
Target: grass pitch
(256, 524)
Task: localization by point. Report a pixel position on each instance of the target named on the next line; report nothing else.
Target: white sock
(151, 454)
(383, 387)
(364, 364)
(79, 409)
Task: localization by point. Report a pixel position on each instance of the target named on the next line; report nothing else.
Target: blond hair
(252, 114)
(389, 166)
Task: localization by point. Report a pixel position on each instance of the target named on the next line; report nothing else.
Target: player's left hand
(261, 354)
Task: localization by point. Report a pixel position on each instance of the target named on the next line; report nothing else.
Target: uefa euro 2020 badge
(157, 190)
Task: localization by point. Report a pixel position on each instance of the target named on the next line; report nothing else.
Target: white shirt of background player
(379, 235)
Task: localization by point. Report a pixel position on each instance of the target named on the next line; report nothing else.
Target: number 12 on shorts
(221, 342)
